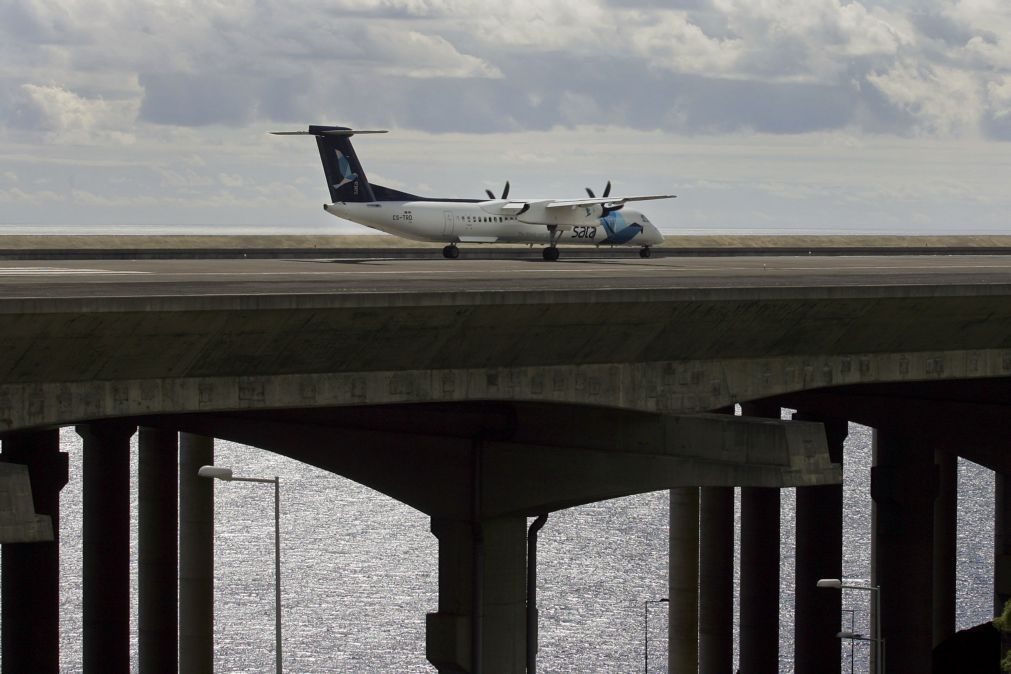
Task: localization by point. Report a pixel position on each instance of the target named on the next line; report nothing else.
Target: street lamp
(879, 659)
(645, 629)
(222, 473)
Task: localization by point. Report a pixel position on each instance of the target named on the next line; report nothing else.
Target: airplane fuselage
(498, 221)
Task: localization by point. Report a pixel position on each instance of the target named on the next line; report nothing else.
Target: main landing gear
(645, 252)
(451, 252)
(551, 252)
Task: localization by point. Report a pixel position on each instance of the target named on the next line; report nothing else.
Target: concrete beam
(640, 453)
(973, 430)
(30, 620)
(19, 523)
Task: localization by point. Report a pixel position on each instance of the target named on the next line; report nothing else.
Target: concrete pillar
(945, 545)
(819, 525)
(716, 580)
(903, 486)
(196, 556)
(1002, 543)
(157, 550)
(683, 626)
(481, 623)
(106, 546)
(30, 619)
(759, 652)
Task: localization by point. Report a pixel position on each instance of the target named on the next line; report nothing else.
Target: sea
(359, 571)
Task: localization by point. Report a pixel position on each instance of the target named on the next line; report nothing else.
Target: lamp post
(879, 655)
(225, 474)
(645, 629)
(852, 613)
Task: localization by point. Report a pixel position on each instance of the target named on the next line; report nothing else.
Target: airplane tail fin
(345, 177)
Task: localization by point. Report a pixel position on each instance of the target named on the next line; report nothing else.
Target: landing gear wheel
(645, 252)
(451, 252)
(550, 253)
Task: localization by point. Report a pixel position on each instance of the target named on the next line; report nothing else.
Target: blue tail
(345, 177)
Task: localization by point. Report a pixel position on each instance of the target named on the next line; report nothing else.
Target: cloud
(68, 117)
(89, 71)
(942, 101)
(416, 55)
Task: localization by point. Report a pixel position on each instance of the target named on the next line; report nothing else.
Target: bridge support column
(759, 641)
(759, 650)
(106, 546)
(819, 555)
(196, 556)
(945, 545)
(1002, 543)
(481, 624)
(683, 573)
(903, 486)
(157, 569)
(30, 620)
(716, 579)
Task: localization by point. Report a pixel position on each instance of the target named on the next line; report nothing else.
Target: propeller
(505, 192)
(606, 194)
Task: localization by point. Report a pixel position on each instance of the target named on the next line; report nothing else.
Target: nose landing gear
(550, 253)
(645, 252)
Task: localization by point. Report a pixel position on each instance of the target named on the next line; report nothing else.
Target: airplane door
(448, 228)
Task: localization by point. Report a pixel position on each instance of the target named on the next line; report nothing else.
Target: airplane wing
(515, 206)
(607, 202)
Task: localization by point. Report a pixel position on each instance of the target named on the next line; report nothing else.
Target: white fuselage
(494, 221)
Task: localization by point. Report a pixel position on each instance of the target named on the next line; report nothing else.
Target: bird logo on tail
(344, 166)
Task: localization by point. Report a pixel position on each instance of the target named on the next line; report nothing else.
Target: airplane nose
(654, 235)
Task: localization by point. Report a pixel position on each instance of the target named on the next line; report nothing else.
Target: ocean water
(359, 571)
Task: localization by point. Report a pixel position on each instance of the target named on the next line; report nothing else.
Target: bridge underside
(479, 468)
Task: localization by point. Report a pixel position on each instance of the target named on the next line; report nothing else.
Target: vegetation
(1003, 623)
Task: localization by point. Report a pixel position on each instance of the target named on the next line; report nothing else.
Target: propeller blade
(590, 193)
(490, 194)
(607, 190)
(505, 192)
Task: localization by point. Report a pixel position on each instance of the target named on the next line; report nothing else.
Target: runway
(140, 278)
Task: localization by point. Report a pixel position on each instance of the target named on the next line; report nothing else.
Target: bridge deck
(138, 278)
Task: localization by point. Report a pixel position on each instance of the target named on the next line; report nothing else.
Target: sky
(761, 115)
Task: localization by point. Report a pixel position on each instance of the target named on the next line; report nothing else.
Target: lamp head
(216, 472)
(831, 583)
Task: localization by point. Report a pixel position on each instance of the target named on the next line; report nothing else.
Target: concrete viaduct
(484, 407)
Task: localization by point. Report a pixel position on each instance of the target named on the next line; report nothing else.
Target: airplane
(596, 221)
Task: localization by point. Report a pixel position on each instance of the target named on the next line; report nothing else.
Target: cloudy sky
(771, 115)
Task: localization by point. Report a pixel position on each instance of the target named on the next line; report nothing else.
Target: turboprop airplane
(595, 221)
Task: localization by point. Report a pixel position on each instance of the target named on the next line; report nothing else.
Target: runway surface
(138, 278)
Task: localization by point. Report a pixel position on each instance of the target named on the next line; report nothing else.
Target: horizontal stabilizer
(328, 132)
